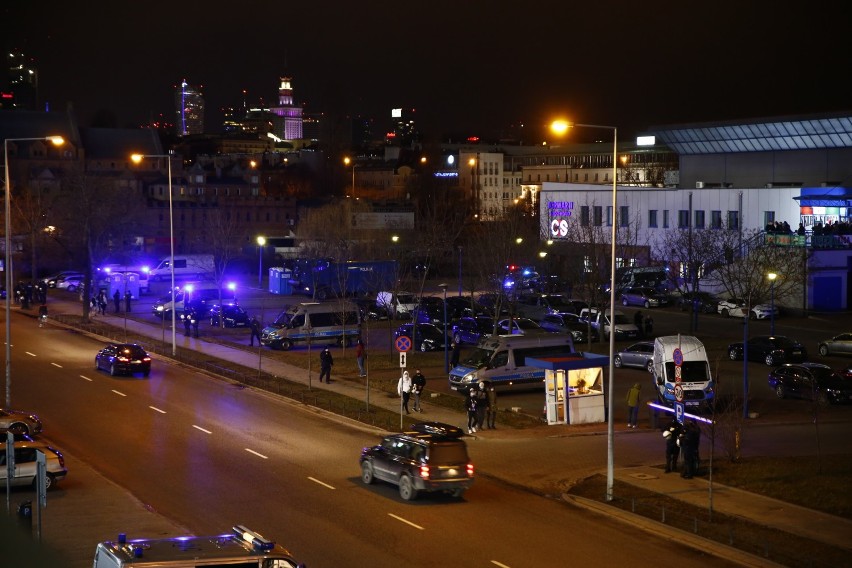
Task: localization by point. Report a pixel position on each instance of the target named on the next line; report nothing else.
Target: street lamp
(347, 160)
(57, 141)
(261, 242)
(443, 286)
(560, 127)
(137, 158)
(460, 272)
(772, 276)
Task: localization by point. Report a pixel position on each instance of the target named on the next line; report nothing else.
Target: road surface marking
(85, 377)
(118, 392)
(500, 564)
(400, 519)
(317, 481)
(56, 365)
(249, 450)
(202, 429)
(30, 354)
(157, 409)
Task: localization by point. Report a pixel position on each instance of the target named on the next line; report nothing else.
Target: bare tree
(222, 235)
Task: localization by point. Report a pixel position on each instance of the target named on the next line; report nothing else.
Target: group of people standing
(407, 386)
(481, 405)
(682, 439)
(27, 293)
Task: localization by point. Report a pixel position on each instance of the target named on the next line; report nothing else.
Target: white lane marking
(400, 519)
(202, 429)
(318, 482)
(500, 564)
(56, 365)
(157, 409)
(85, 377)
(249, 450)
(30, 354)
(118, 392)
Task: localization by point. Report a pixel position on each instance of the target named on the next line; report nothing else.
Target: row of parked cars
(793, 376)
(24, 427)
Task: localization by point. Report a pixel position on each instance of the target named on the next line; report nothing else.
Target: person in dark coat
(418, 383)
(491, 405)
(187, 324)
(127, 297)
(689, 439)
(195, 316)
(326, 362)
(671, 434)
(638, 321)
(254, 326)
(470, 405)
(116, 299)
(454, 358)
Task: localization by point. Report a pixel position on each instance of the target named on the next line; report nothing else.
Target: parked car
(71, 282)
(54, 278)
(19, 422)
(736, 308)
(536, 306)
(569, 323)
(428, 313)
(431, 457)
(519, 326)
(646, 297)
(770, 349)
(488, 303)
(123, 358)
(26, 466)
(839, 344)
(707, 303)
(232, 314)
(639, 355)
(463, 306)
(424, 336)
(811, 381)
(370, 310)
(471, 329)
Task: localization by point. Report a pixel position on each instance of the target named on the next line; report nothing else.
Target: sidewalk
(515, 456)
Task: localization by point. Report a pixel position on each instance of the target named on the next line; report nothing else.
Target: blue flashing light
(146, 269)
(188, 287)
(232, 286)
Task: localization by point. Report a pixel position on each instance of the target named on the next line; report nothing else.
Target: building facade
(189, 110)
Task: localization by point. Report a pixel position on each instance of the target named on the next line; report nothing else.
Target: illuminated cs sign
(559, 227)
(560, 211)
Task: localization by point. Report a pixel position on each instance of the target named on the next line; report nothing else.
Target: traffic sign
(678, 392)
(679, 412)
(677, 373)
(677, 356)
(402, 343)
(402, 357)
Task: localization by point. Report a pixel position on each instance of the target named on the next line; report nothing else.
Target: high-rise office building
(404, 133)
(189, 109)
(288, 123)
(20, 89)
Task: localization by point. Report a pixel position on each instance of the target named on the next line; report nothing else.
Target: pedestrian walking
(418, 383)
(187, 324)
(102, 302)
(470, 404)
(116, 299)
(491, 408)
(254, 327)
(689, 439)
(633, 405)
(195, 316)
(649, 326)
(481, 405)
(403, 389)
(326, 363)
(637, 321)
(454, 358)
(671, 434)
(127, 297)
(360, 357)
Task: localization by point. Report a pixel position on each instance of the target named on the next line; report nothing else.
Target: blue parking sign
(679, 412)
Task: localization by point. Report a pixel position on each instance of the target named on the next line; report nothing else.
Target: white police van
(241, 548)
(502, 359)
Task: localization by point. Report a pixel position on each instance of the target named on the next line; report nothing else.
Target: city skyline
(472, 69)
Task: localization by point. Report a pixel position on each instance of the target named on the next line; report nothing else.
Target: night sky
(467, 67)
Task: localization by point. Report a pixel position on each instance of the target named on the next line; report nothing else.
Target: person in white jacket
(403, 389)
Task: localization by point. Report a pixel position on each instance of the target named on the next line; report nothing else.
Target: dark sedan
(810, 381)
(772, 350)
(424, 336)
(643, 296)
(470, 330)
(569, 323)
(232, 315)
(123, 358)
(704, 302)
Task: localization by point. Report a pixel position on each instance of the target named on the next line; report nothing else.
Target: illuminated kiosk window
(574, 391)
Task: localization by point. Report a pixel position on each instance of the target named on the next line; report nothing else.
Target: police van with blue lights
(241, 548)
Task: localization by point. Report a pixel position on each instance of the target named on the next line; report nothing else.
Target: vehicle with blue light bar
(241, 548)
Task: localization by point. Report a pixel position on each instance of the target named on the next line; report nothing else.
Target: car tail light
(123, 358)
(146, 359)
(60, 456)
(469, 470)
(424, 471)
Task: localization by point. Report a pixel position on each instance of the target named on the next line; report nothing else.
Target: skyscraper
(20, 90)
(288, 124)
(189, 108)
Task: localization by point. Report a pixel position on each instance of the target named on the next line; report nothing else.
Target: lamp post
(560, 127)
(460, 272)
(137, 158)
(443, 286)
(261, 242)
(57, 141)
(347, 160)
(772, 276)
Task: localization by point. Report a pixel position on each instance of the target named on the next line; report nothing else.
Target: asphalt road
(205, 453)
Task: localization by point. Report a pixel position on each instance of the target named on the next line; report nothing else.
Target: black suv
(431, 457)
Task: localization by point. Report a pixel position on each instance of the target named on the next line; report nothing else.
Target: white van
(695, 378)
(332, 322)
(243, 547)
(197, 266)
(501, 359)
(398, 304)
